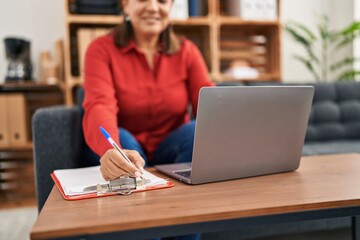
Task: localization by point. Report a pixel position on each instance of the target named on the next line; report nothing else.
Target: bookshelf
(221, 39)
(18, 103)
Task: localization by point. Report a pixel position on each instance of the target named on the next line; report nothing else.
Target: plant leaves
(297, 36)
(329, 42)
(304, 36)
(348, 34)
(312, 55)
(299, 27)
(334, 36)
(323, 26)
(348, 75)
(343, 62)
(308, 64)
(346, 40)
(351, 29)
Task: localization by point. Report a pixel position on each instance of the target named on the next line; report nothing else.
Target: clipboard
(60, 184)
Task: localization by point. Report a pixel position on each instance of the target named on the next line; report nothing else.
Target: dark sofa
(334, 124)
(334, 127)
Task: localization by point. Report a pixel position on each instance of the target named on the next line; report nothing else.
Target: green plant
(323, 48)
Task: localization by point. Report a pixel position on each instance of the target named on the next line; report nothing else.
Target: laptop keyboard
(184, 173)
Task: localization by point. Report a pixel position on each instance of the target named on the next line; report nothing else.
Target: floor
(16, 224)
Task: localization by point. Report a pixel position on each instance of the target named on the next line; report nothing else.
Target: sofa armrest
(58, 140)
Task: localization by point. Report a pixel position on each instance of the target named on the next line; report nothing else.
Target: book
(73, 183)
(253, 9)
(179, 10)
(194, 8)
(97, 7)
(270, 12)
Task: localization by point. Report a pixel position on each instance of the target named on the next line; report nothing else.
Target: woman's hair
(124, 32)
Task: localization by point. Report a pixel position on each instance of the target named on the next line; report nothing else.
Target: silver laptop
(246, 131)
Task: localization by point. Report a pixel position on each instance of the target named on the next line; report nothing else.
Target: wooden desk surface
(321, 182)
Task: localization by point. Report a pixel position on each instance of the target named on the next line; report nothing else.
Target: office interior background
(43, 23)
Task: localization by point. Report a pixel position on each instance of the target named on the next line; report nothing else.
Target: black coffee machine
(19, 60)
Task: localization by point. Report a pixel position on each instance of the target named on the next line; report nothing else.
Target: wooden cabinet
(18, 102)
(13, 131)
(220, 37)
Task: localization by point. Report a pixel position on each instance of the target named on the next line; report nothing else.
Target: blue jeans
(176, 148)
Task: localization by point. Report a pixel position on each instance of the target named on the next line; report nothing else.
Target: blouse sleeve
(100, 102)
(197, 74)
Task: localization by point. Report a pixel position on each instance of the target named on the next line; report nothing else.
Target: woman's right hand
(113, 165)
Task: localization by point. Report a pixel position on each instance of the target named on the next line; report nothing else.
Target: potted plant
(321, 48)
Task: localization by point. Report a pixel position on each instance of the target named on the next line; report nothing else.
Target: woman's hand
(113, 165)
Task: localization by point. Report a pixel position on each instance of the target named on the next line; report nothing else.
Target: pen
(113, 143)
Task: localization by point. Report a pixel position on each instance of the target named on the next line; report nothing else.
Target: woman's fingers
(136, 159)
(114, 165)
(107, 175)
(123, 164)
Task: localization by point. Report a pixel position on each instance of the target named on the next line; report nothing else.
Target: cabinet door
(4, 125)
(16, 110)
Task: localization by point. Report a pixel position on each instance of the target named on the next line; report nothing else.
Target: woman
(138, 83)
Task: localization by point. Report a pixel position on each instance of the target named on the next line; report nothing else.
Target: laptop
(246, 131)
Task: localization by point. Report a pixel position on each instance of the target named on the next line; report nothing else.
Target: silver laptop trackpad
(179, 171)
(184, 173)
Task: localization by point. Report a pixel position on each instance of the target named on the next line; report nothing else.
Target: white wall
(340, 13)
(356, 49)
(40, 21)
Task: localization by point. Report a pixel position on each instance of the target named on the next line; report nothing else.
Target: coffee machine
(19, 60)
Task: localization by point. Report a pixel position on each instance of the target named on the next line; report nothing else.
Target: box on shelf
(105, 7)
(4, 133)
(13, 130)
(241, 69)
(252, 9)
(179, 10)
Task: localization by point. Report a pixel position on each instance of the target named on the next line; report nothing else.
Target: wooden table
(323, 187)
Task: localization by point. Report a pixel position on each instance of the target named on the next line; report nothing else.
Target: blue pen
(113, 143)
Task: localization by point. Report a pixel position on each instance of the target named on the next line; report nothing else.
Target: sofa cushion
(335, 112)
(331, 147)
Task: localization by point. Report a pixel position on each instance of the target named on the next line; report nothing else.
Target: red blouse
(122, 91)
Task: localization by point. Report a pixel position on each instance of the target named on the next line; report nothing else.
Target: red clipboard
(169, 184)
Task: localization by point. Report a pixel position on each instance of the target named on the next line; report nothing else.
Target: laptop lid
(248, 131)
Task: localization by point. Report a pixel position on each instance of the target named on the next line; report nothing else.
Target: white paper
(73, 181)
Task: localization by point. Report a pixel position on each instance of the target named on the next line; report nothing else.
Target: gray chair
(58, 144)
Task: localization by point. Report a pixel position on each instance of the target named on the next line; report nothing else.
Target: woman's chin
(152, 32)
